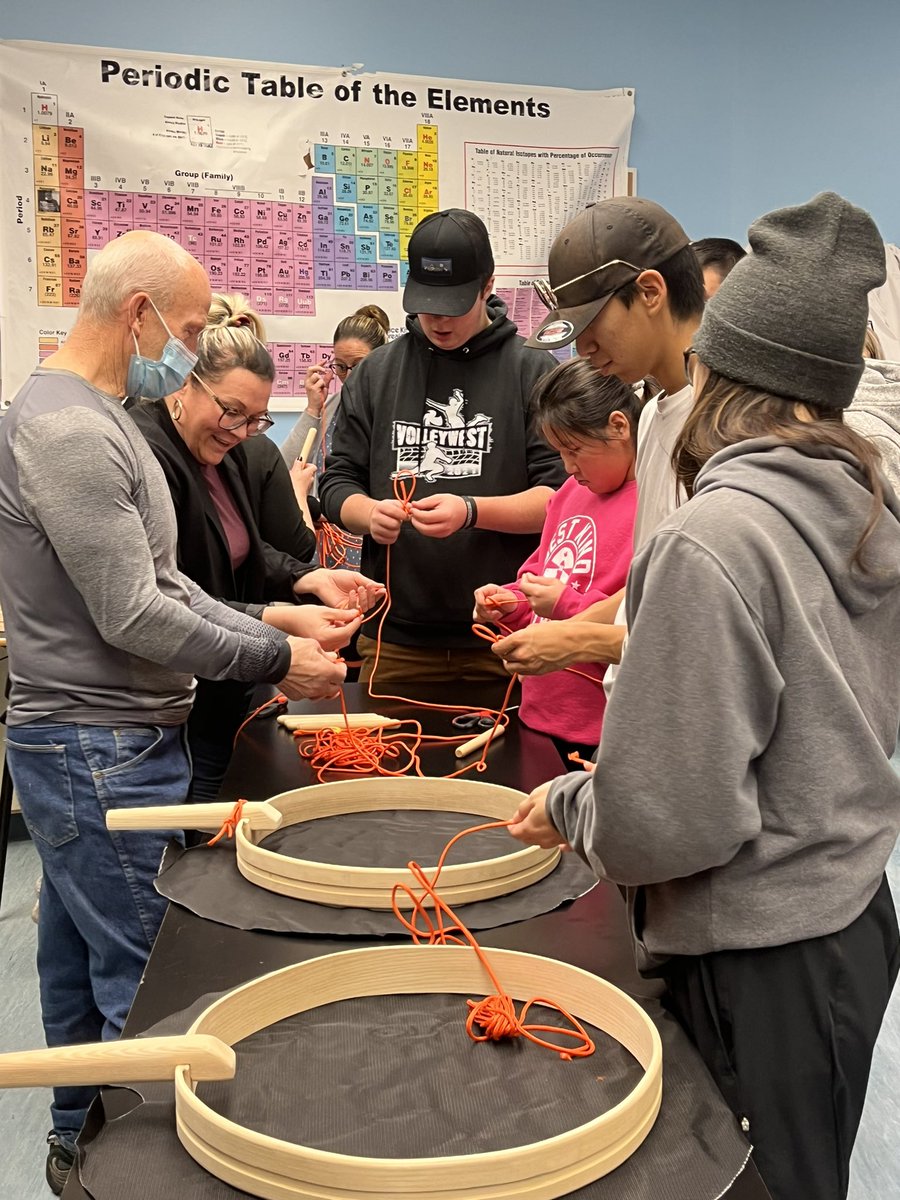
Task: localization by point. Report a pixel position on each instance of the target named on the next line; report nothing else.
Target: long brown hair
(726, 412)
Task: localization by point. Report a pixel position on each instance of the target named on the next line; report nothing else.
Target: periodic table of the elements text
(298, 187)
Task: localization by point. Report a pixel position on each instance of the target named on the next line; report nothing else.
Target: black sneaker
(59, 1164)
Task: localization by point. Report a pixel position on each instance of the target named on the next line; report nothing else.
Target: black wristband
(471, 512)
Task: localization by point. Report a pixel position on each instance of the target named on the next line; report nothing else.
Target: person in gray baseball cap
(627, 288)
(753, 815)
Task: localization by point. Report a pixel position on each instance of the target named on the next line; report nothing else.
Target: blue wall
(742, 105)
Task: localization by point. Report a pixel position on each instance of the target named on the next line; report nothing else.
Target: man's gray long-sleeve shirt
(102, 626)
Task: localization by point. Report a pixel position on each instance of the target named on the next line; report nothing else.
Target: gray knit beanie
(791, 317)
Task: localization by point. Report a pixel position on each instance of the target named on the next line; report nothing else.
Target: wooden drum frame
(277, 1170)
(372, 887)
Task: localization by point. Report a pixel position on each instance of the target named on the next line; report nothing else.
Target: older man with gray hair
(105, 637)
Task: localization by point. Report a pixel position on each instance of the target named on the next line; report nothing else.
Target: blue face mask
(154, 378)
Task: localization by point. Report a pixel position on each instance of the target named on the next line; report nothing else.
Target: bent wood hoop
(277, 1170)
(359, 886)
(372, 887)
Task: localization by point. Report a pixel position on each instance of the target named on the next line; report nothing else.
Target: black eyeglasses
(549, 296)
(232, 418)
(342, 369)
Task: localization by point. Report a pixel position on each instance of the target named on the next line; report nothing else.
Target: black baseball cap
(604, 248)
(450, 258)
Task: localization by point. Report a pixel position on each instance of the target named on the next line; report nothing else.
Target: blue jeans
(99, 911)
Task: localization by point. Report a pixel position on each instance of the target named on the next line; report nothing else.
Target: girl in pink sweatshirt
(586, 543)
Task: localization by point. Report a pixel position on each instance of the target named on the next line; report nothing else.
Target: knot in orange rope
(404, 488)
(229, 826)
(495, 1015)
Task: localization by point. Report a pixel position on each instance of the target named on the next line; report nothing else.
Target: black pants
(788, 1033)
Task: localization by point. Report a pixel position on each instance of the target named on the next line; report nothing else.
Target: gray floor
(23, 1114)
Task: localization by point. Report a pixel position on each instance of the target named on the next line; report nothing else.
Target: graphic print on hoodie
(445, 444)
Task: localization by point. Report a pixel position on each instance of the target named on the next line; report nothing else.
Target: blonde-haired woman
(199, 436)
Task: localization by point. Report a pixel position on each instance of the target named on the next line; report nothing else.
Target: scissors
(474, 720)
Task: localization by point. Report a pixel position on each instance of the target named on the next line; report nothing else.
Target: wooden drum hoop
(277, 1170)
(372, 887)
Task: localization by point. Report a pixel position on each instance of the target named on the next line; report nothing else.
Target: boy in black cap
(448, 404)
(626, 287)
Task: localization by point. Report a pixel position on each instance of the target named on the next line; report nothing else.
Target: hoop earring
(177, 409)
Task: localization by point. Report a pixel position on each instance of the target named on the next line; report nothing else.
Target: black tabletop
(193, 957)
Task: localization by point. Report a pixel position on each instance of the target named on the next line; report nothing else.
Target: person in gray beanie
(752, 820)
(803, 342)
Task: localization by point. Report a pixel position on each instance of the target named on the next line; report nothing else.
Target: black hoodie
(460, 420)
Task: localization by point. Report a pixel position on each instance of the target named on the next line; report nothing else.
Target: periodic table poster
(298, 186)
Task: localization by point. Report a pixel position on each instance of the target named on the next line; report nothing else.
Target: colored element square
(323, 219)
(366, 249)
(121, 206)
(72, 234)
(427, 138)
(261, 215)
(71, 144)
(324, 158)
(345, 275)
(345, 189)
(323, 248)
(345, 160)
(261, 299)
(387, 277)
(367, 218)
(344, 220)
(389, 219)
(387, 163)
(388, 244)
(97, 204)
(322, 191)
(168, 209)
(366, 277)
(367, 189)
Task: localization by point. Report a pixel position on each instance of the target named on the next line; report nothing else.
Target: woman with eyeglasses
(354, 339)
(199, 437)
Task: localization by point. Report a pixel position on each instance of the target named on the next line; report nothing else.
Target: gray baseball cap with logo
(602, 250)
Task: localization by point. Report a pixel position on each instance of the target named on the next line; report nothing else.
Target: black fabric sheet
(396, 1076)
(206, 880)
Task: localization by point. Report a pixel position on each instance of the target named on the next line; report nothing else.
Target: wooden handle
(211, 817)
(307, 446)
(476, 743)
(135, 1059)
(309, 724)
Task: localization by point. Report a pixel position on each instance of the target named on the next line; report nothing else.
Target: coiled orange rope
(495, 1015)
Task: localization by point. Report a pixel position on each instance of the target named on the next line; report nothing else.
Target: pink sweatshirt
(587, 541)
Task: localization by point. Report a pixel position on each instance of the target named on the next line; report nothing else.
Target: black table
(193, 957)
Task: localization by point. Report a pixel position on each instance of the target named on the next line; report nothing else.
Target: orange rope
(279, 699)
(495, 1015)
(229, 826)
(333, 544)
(582, 762)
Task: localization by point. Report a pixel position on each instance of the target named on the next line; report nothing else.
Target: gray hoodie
(875, 413)
(744, 786)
